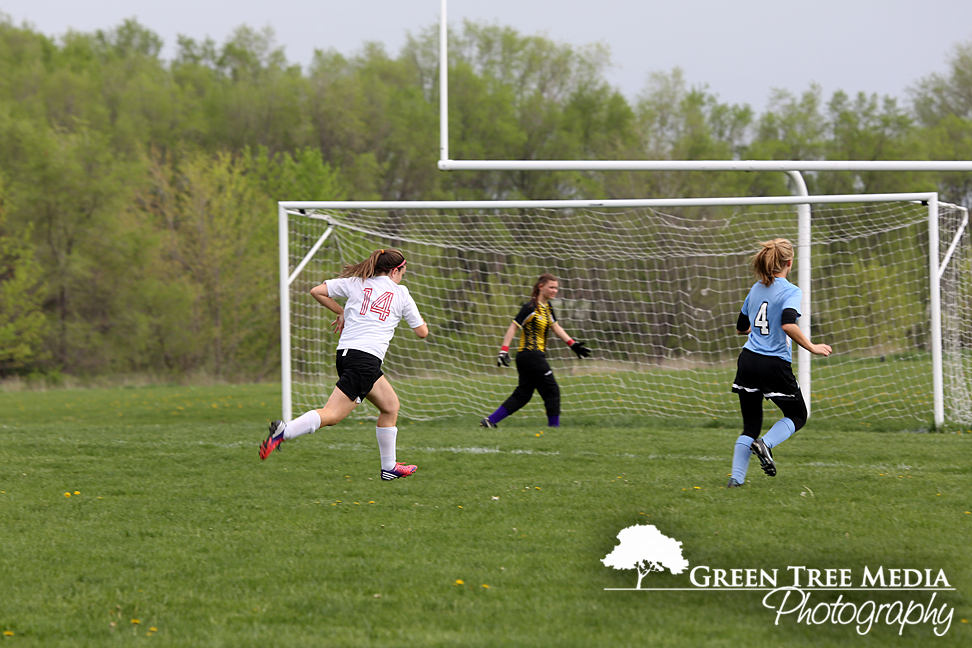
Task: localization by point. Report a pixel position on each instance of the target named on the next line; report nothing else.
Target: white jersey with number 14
(374, 308)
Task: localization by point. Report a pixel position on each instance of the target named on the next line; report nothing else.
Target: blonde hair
(770, 260)
(545, 278)
(380, 262)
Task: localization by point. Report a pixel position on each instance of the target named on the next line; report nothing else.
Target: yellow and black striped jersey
(534, 321)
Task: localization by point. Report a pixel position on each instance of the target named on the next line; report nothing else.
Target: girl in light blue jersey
(769, 318)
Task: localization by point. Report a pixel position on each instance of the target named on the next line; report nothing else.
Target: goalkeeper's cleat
(274, 440)
(486, 423)
(400, 470)
(765, 456)
(733, 484)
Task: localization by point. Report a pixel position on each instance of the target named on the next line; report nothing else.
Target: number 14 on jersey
(381, 306)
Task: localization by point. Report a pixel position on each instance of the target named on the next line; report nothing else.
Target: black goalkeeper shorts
(357, 373)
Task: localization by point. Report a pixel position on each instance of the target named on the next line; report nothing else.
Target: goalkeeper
(534, 320)
(769, 319)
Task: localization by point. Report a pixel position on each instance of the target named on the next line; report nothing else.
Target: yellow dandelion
(536, 435)
(460, 507)
(485, 586)
(372, 502)
(697, 487)
(67, 494)
(9, 633)
(153, 629)
(459, 581)
(136, 621)
(77, 492)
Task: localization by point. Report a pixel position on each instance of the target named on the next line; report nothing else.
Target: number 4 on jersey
(382, 305)
(762, 322)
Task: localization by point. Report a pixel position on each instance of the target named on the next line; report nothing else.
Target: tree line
(137, 194)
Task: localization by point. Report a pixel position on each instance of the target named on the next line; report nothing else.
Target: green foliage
(22, 322)
(103, 141)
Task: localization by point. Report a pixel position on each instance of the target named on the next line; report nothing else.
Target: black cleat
(486, 423)
(733, 484)
(765, 456)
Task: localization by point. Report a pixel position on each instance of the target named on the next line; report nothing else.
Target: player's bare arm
(797, 336)
(320, 294)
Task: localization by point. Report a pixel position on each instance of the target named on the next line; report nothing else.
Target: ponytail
(770, 260)
(380, 262)
(545, 278)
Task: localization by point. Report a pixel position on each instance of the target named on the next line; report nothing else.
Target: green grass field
(176, 534)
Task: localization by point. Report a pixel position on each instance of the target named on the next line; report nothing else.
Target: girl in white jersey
(769, 317)
(375, 304)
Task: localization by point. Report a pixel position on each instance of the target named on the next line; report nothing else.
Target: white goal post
(654, 287)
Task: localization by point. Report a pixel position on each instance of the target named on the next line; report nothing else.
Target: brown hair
(770, 260)
(545, 278)
(380, 262)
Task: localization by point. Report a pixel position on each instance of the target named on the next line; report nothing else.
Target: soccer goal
(654, 288)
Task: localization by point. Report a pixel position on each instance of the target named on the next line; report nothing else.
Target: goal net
(654, 289)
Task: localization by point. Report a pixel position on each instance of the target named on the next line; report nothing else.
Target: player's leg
(751, 407)
(794, 417)
(383, 396)
(550, 393)
(787, 396)
(520, 396)
(336, 409)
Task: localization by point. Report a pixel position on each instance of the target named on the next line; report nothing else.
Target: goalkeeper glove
(503, 359)
(581, 350)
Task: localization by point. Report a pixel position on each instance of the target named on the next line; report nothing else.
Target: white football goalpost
(654, 287)
(887, 281)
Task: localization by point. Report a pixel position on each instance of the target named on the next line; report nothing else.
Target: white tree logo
(645, 548)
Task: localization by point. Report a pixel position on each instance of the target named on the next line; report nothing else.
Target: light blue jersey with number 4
(764, 307)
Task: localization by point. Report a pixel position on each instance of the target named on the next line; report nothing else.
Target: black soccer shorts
(358, 371)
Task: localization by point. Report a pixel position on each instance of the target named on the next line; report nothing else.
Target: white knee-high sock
(306, 423)
(386, 446)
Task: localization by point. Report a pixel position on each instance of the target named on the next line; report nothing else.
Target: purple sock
(498, 415)
(553, 421)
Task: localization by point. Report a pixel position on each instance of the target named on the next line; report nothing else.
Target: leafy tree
(23, 326)
(870, 128)
(677, 122)
(214, 226)
(71, 187)
(943, 107)
(938, 97)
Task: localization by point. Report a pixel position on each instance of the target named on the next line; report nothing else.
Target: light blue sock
(780, 432)
(740, 458)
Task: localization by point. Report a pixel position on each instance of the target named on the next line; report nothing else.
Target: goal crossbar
(591, 204)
